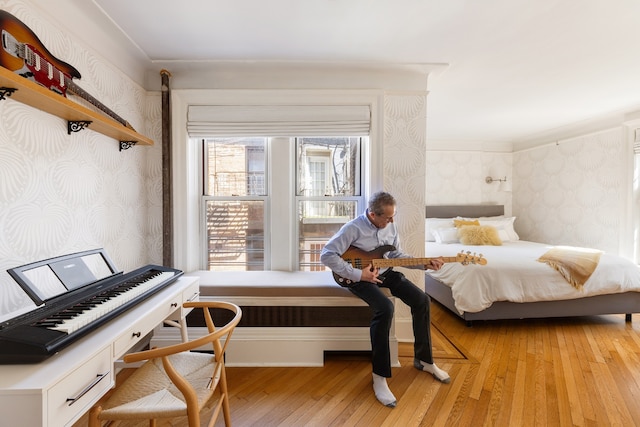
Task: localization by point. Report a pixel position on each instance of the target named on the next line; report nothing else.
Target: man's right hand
(370, 274)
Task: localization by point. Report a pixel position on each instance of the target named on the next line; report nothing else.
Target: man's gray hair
(379, 200)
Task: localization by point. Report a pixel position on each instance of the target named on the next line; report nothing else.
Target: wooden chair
(174, 381)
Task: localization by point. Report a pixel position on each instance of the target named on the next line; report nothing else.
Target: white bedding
(513, 274)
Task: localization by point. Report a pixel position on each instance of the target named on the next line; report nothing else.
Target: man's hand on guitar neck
(434, 264)
(370, 274)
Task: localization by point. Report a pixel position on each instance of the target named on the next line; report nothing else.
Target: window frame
(186, 156)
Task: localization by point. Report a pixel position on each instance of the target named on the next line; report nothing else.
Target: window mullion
(282, 209)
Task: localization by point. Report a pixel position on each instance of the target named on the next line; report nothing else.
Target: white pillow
(502, 233)
(432, 224)
(505, 224)
(446, 235)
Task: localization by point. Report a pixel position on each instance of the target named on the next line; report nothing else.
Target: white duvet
(513, 274)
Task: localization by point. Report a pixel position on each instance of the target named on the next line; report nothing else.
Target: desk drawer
(192, 293)
(132, 335)
(77, 392)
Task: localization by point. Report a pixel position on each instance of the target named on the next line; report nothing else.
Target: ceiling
(517, 71)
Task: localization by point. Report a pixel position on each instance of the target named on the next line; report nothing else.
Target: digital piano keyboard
(74, 294)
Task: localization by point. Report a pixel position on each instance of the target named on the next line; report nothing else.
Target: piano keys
(74, 295)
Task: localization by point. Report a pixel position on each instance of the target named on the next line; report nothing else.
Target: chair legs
(93, 416)
(226, 411)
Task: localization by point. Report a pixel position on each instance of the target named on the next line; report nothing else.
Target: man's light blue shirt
(362, 234)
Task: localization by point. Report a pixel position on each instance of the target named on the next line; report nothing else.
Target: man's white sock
(383, 394)
(438, 373)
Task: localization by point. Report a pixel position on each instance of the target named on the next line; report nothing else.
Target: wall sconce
(503, 184)
(490, 180)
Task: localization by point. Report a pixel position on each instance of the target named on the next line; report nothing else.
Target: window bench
(289, 318)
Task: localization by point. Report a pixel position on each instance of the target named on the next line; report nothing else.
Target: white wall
(64, 193)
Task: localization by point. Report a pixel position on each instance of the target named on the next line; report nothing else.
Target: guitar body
(15, 36)
(360, 259)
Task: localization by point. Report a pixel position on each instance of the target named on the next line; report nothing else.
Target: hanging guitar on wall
(22, 52)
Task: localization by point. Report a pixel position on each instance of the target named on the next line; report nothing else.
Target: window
(328, 192)
(225, 114)
(234, 203)
(236, 198)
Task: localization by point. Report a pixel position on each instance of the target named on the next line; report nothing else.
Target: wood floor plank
(626, 366)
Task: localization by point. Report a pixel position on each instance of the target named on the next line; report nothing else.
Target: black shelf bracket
(77, 125)
(125, 145)
(5, 92)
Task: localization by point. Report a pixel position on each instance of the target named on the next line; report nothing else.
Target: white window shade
(278, 120)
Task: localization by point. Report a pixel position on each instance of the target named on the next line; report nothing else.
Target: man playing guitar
(371, 230)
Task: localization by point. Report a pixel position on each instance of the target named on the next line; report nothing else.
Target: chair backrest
(218, 376)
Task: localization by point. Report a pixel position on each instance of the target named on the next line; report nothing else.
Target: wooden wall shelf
(31, 93)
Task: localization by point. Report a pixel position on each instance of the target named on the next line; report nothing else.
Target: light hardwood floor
(555, 372)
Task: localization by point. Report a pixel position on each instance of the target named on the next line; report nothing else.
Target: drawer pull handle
(194, 297)
(136, 334)
(174, 304)
(74, 399)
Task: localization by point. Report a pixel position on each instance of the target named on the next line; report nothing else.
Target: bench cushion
(299, 284)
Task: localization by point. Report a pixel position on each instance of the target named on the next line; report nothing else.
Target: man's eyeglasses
(386, 218)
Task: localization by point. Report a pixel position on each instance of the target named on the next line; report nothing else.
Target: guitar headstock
(465, 258)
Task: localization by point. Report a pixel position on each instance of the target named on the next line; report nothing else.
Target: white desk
(61, 389)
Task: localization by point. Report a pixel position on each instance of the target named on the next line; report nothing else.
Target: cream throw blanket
(574, 264)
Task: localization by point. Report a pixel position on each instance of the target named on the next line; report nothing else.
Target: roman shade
(278, 120)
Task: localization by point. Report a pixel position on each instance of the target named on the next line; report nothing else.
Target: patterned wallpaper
(64, 193)
(458, 178)
(404, 168)
(573, 192)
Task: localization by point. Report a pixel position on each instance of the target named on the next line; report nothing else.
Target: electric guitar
(361, 259)
(22, 52)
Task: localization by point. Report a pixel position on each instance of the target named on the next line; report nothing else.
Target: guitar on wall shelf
(22, 52)
(361, 259)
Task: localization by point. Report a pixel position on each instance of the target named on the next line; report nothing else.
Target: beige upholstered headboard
(470, 211)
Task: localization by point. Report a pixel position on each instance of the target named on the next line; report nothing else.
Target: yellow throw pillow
(479, 235)
(464, 222)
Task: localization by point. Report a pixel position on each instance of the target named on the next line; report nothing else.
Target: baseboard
(283, 346)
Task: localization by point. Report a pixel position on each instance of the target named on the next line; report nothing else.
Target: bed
(512, 284)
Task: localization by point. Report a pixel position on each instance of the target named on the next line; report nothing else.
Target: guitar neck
(77, 90)
(406, 262)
